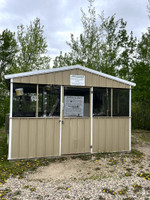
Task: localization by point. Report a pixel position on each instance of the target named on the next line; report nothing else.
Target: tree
(127, 57)
(141, 70)
(32, 47)
(141, 74)
(8, 50)
(83, 48)
(105, 47)
(25, 53)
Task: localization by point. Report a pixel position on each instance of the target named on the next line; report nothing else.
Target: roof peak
(65, 68)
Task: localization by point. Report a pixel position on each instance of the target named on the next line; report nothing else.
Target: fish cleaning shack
(68, 110)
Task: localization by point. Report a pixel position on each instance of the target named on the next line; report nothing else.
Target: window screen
(76, 102)
(24, 100)
(120, 102)
(49, 100)
(101, 101)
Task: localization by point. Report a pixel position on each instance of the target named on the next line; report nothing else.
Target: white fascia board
(38, 72)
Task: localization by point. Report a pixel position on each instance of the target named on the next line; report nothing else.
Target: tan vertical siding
(87, 135)
(40, 137)
(32, 138)
(110, 134)
(81, 136)
(66, 135)
(56, 137)
(15, 138)
(72, 137)
(33, 79)
(76, 135)
(115, 131)
(35, 137)
(63, 78)
(66, 78)
(23, 138)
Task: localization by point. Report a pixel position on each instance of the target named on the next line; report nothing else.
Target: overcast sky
(62, 17)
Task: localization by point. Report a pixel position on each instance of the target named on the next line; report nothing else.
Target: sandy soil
(70, 169)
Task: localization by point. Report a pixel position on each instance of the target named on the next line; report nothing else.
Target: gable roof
(38, 72)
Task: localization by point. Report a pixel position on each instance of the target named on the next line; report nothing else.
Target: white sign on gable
(78, 80)
(74, 106)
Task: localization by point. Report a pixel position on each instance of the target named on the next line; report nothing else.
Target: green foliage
(104, 45)
(26, 53)
(141, 93)
(3, 144)
(140, 116)
(8, 50)
(141, 71)
(32, 47)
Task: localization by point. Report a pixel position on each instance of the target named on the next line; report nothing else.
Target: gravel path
(104, 178)
(89, 189)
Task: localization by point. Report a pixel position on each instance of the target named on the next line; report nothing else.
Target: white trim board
(91, 116)
(130, 119)
(60, 121)
(38, 72)
(10, 119)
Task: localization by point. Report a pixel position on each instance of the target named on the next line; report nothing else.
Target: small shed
(68, 110)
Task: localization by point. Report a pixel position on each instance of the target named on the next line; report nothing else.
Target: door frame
(62, 117)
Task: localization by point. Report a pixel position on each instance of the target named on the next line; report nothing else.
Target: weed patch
(145, 175)
(107, 190)
(137, 188)
(123, 191)
(128, 174)
(113, 162)
(97, 168)
(137, 154)
(18, 192)
(4, 192)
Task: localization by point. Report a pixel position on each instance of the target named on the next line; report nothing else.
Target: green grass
(3, 144)
(139, 136)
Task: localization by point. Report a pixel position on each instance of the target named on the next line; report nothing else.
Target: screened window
(120, 102)
(49, 101)
(101, 101)
(24, 100)
(76, 102)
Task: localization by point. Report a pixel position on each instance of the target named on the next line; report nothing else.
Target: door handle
(61, 121)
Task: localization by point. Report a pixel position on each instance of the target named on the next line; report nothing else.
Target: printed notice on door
(78, 80)
(73, 106)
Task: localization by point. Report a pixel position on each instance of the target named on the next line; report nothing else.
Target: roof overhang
(38, 72)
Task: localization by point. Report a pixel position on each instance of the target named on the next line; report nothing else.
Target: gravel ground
(98, 178)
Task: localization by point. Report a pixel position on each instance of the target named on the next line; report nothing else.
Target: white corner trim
(130, 119)
(10, 120)
(91, 116)
(38, 72)
(60, 121)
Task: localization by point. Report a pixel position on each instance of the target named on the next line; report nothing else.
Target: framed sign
(73, 106)
(78, 80)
